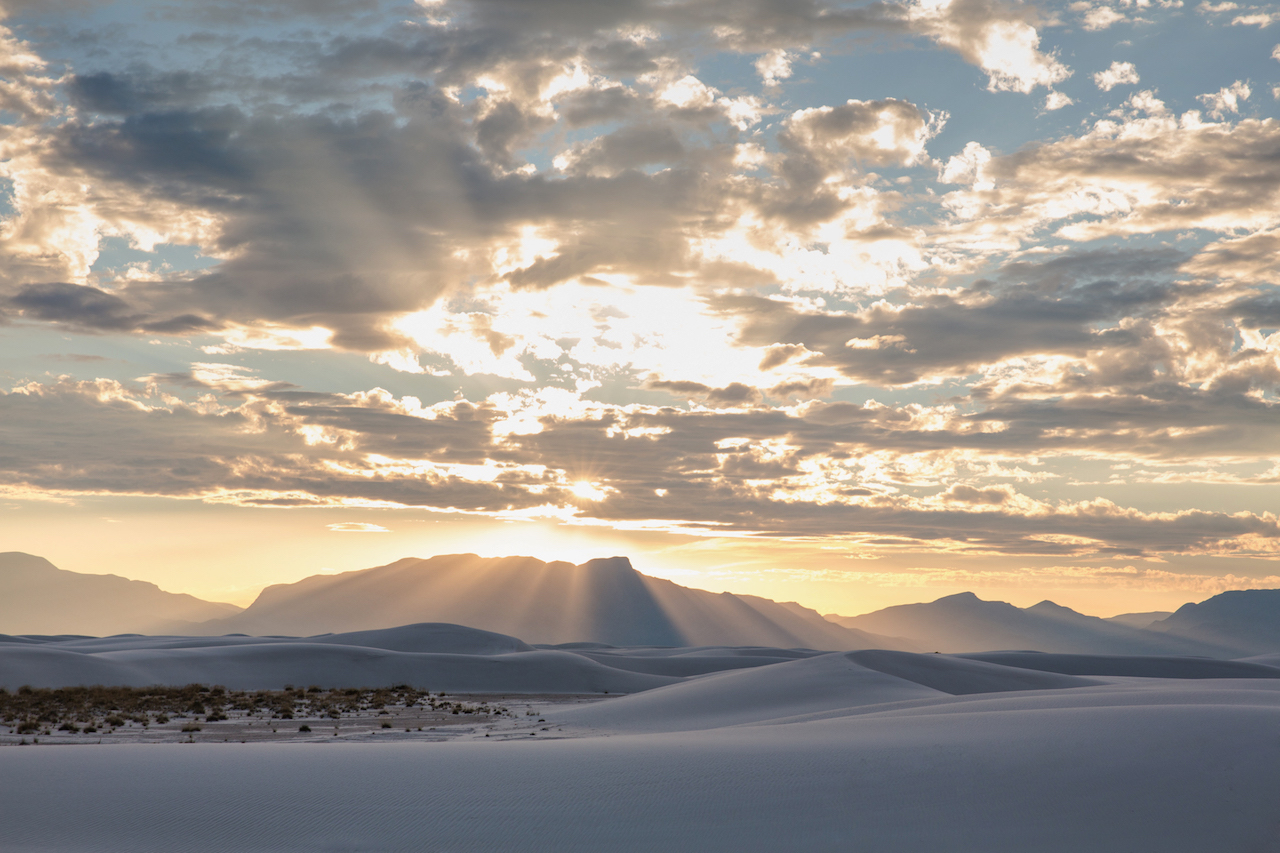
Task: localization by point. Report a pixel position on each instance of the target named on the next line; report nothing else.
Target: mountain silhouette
(1244, 618)
(966, 623)
(40, 598)
(601, 601)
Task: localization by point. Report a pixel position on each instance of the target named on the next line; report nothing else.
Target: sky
(852, 304)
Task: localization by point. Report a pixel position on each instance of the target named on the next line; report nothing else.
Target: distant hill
(602, 601)
(1140, 620)
(1246, 618)
(966, 623)
(40, 598)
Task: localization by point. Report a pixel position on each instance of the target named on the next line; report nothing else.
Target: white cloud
(774, 66)
(995, 38)
(1142, 171)
(876, 132)
(356, 527)
(1227, 99)
(968, 167)
(1100, 18)
(1056, 100)
(1120, 73)
(1256, 19)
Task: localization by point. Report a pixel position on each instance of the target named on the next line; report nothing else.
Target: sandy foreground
(862, 751)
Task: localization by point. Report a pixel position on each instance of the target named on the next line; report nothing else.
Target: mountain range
(40, 598)
(603, 601)
(608, 602)
(965, 623)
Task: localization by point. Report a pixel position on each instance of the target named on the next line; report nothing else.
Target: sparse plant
(304, 728)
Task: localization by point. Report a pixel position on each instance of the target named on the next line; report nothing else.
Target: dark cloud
(733, 394)
(139, 91)
(951, 334)
(90, 309)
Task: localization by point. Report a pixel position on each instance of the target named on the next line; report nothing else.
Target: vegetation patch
(89, 709)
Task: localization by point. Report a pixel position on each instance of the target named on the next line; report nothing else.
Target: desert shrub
(90, 729)
(162, 718)
(386, 725)
(214, 717)
(190, 728)
(68, 727)
(315, 688)
(114, 721)
(304, 728)
(26, 727)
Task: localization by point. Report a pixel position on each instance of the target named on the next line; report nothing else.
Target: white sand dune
(434, 637)
(272, 665)
(700, 661)
(1139, 666)
(424, 655)
(43, 666)
(806, 751)
(750, 696)
(959, 676)
(992, 776)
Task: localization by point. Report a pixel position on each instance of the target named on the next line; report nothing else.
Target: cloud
(774, 66)
(322, 215)
(998, 39)
(884, 476)
(356, 527)
(878, 133)
(1119, 74)
(1142, 171)
(656, 293)
(1261, 20)
(955, 335)
(1101, 17)
(1056, 101)
(1227, 99)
